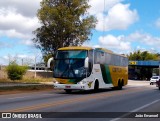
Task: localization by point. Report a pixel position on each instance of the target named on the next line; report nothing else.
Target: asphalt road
(115, 105)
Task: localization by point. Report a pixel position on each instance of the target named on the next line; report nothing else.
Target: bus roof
(88, 48)
(75, 48)
(104, 50)
(109, 51)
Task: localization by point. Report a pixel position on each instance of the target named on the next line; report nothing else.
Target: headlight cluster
(56, 82)
(81, 82)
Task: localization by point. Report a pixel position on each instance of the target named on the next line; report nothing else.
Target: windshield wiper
(69, 69)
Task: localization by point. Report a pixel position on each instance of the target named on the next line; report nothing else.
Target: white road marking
(147, 105)
(137, 109)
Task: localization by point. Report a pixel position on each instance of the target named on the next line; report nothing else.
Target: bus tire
(120, 84)
(159, 88)
(68, 91)
(96, 86)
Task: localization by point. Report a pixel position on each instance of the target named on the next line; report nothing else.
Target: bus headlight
(81, 82)
(56, 82)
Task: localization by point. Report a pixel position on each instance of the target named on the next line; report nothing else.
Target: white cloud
(109, 40)
(27, 42)
(157, 23)
(18, 19)
(4, 60)
(10, 19)
(90, 44)
(25, 39)
(119, 17)
(14, 34)
(24, 7)
(112, 14)
(98, 6)
(125, 44)
(118, 44)
(145, 39)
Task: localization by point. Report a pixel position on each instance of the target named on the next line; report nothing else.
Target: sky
(123, 26)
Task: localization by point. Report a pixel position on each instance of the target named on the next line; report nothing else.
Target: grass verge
(22, 89)
(27, 80)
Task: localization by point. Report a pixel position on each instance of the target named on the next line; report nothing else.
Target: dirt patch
(3, 74)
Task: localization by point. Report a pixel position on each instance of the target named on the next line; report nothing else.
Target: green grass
(35, 80)
(27, 80)
(5, 81)
(13, 89)
(26, 88)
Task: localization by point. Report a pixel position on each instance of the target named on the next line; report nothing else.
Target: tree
(144, 72)
(142, 55)
(46, 58)
(64, 23)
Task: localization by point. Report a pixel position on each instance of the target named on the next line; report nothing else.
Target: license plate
(68, 87)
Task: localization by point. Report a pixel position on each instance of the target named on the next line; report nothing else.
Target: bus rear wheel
(120, 84)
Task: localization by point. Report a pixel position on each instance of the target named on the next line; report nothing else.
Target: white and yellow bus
(85, 68)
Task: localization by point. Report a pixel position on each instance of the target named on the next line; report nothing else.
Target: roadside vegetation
(143, 55)
(23, 89)
(28, 80)
(15, 72)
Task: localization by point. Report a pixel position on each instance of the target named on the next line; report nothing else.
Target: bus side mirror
(86, 62)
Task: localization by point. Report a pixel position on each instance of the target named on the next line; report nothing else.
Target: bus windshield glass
(71, 54)
(70, 64)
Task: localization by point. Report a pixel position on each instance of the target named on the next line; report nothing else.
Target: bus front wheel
(96, 86)
(68, 91)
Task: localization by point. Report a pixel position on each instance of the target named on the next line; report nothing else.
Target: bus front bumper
(70, 86)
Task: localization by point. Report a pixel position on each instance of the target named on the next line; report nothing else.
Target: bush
(15, 72)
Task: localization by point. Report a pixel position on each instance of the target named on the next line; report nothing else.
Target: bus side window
(97, 57)
(90, 55)
(102, 58)
(108, 58)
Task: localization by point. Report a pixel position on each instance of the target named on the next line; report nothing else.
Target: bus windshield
(70, 64)
(71, 54)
